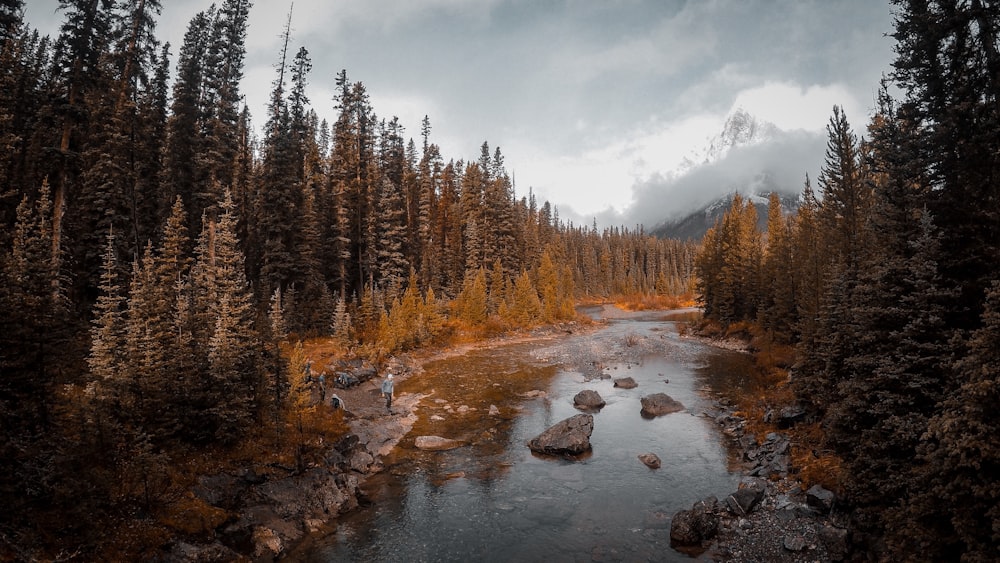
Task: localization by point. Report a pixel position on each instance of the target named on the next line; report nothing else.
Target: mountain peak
(741, 129)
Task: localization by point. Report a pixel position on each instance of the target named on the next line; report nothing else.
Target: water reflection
(495, 501)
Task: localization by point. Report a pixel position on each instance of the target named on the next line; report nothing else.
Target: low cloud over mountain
(748, 156)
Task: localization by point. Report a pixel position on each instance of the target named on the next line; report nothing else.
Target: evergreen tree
(107, 332)
(389, 255)
(182, 174)
(83, 38)
(960, 507)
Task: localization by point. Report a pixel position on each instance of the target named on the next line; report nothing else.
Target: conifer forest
(163, 256)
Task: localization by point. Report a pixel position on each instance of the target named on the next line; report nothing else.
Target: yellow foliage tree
(525, 308)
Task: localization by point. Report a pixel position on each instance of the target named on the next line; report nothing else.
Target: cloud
(790, 106)
(780, 164)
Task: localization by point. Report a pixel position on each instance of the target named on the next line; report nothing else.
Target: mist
(779, 164)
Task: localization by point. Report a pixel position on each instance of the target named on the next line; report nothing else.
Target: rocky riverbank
(771, 516)
(259, 513)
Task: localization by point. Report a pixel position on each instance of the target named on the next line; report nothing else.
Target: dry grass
(646, 302)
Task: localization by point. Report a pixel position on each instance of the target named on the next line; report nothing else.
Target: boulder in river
(651, 460)
(569, 437)
(691, 527)
(659, 404)
(588, 399)
(626, 383)
(437, 443)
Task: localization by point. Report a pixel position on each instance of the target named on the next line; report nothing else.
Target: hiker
(387, 391)
(336, 402)
(322, 387)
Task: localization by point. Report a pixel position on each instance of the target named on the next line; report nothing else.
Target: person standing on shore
(387, 391)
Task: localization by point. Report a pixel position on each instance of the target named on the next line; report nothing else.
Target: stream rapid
(494, 500)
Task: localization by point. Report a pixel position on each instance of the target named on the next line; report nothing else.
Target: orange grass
(654, 302)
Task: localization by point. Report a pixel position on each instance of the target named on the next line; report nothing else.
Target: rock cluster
(769, 517)
(275, 510)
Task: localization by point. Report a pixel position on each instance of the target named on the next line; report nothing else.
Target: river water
(493, 500)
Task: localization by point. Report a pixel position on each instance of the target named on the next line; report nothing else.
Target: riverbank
(775, 515)
(277, 511)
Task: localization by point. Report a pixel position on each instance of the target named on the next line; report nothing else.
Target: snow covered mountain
(740, 131)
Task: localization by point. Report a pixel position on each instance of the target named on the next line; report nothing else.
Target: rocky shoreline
(276, 507)
(769, 518)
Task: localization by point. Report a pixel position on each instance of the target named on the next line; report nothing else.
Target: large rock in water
(691, 527)
(571, 436)
(659, 404)
(437, 443)
(626, 383)
(588, 399)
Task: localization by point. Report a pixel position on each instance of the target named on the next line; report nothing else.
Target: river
(494, 500)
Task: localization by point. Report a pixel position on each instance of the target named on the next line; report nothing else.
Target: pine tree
(960, 508)
(83, 38)
(947, 66)
(234, 340)
(391, 260)
(525, 308)
(107, 332)
(182, 174)
(470, 304)
(777, 312)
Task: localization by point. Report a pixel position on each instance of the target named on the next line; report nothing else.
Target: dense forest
(887, 282)
(161, 257)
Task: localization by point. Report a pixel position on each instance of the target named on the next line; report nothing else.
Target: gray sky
(592, 102)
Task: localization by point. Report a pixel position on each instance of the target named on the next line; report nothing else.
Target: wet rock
(659, 404)
(775, 467)
(692, 527)
(571, 436)
(588, 399)
(534, 394)
(626, 383)
(437, 443)
(347, 443)
(313, 493)
(651, 460)
(820, 498)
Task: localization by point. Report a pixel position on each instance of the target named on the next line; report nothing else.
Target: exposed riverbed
(494, 500)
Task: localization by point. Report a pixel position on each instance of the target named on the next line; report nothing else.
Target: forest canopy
(160, 259)
(886, 282)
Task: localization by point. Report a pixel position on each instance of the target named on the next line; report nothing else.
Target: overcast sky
(592, 102)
